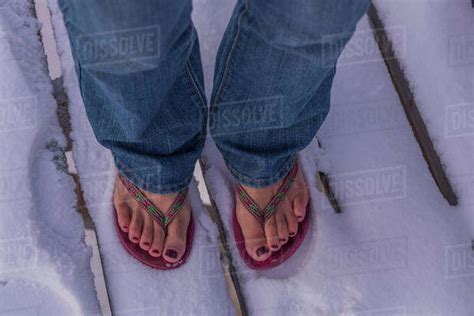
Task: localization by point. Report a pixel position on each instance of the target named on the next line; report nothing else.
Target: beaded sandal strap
(272, 206)
(164, 219)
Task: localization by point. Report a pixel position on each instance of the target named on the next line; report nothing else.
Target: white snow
(196, 288)
(44, 262)
(398, 248)
(437, 54)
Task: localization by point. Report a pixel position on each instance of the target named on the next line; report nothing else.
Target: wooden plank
(327, 189)
(408, 102)
(231, 273)
(324, 185)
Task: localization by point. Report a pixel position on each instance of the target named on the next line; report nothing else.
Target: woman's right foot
(260, 241)
(142, 229)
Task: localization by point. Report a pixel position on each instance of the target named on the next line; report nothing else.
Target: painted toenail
(292, 234)
(125, 227)
(135, 238)
(146, 244)
(171, 253)
(155, 251)
(262, 250)
(282, 239)
(274, 246)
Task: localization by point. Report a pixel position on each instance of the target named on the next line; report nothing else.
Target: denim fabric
(141, 80)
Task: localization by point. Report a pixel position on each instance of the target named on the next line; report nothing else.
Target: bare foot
(143, 230)
(260, 242)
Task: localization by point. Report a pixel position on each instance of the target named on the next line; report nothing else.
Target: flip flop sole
(144, 257)
(278, 257)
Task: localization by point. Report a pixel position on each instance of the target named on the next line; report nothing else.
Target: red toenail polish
(171, 253)
(262, 250)
(155, 251)
(282, 239)
(274, 246)
(125, 227)
(135, 238)
(146, 244)
(292, 234)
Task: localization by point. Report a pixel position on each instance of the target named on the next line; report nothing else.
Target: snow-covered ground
(398, 248)
(435, 44)
(44, 262)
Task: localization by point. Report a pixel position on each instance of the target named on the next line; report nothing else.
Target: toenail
(262, 250)
(282, 239)
(155, 251)
(171, 253)
(274, 246)
(125, 227)
(146, 244)
(135, 238)
(300, 218)
(292, 234)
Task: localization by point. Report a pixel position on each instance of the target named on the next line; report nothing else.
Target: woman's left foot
(261, 242)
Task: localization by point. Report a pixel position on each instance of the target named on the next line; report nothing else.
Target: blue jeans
(141, 80)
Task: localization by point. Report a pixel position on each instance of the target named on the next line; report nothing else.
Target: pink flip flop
(288, 249)
(164, 219)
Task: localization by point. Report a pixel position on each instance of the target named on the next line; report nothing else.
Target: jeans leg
(141, 80)
(273, 79)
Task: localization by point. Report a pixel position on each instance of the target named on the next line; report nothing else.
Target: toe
(175, 241)
(282, 228)
(271, 234)
(123, 212)
(123, 216)
(156, 248)
(292, 224)
(136, 224)
(147, 233)
(254, 235)
(299, 206)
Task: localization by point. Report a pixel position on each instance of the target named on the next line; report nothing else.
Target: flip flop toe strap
(277, 199)
(164, 219)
